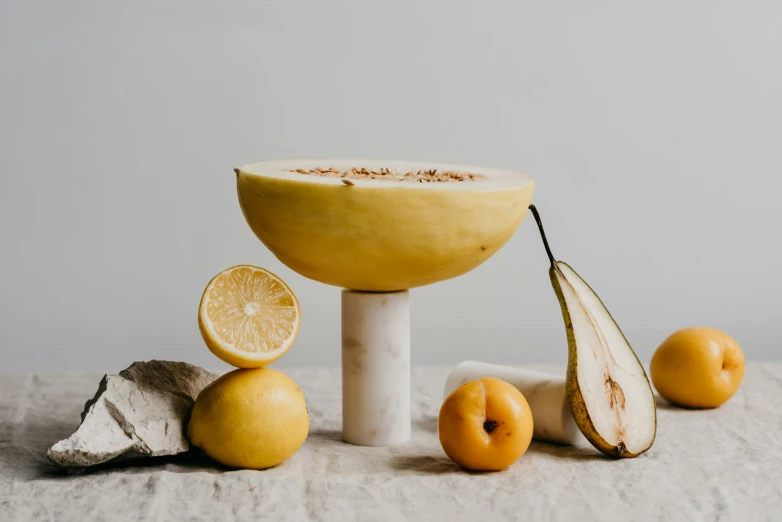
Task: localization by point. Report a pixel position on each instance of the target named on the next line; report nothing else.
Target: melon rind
(381, 235)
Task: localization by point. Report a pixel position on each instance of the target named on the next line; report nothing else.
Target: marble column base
(375, 367)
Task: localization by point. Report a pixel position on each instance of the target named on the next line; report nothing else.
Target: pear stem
(542, 234)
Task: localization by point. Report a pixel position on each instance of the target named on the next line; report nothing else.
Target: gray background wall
(653, 131)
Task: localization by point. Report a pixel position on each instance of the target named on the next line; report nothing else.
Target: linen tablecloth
(723, 464)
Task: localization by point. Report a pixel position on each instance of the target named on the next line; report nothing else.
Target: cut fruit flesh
(607, 387)
(387, 174)
(381, 225)
(248, 316)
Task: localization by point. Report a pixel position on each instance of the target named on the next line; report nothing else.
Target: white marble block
(375, 368)
(545, 393)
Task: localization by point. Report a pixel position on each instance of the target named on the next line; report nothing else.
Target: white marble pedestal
(375, 368)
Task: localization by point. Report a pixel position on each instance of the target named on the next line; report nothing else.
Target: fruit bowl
(377, 229)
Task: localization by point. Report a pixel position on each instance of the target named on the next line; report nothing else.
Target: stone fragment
(140, 412)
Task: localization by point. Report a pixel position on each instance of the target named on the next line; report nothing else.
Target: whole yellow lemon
(250, 418)
(697, 368)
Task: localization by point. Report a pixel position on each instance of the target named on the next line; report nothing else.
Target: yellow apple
(698, 368)
(485, 425)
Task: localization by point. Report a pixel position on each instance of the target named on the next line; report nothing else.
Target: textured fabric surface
(723, 464)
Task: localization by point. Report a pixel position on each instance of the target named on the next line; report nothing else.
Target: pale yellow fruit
(698, 368)
(380, 234)
(248, 316)
(250, 418)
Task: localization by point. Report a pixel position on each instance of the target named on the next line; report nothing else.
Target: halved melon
(381, 225)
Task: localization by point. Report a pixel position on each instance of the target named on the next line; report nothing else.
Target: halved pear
(607, 388)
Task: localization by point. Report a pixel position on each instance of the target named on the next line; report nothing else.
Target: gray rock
(140, 412)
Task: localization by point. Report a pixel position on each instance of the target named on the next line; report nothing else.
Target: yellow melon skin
(382, 235)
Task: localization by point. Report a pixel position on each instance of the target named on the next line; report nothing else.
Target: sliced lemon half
(248, 316)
